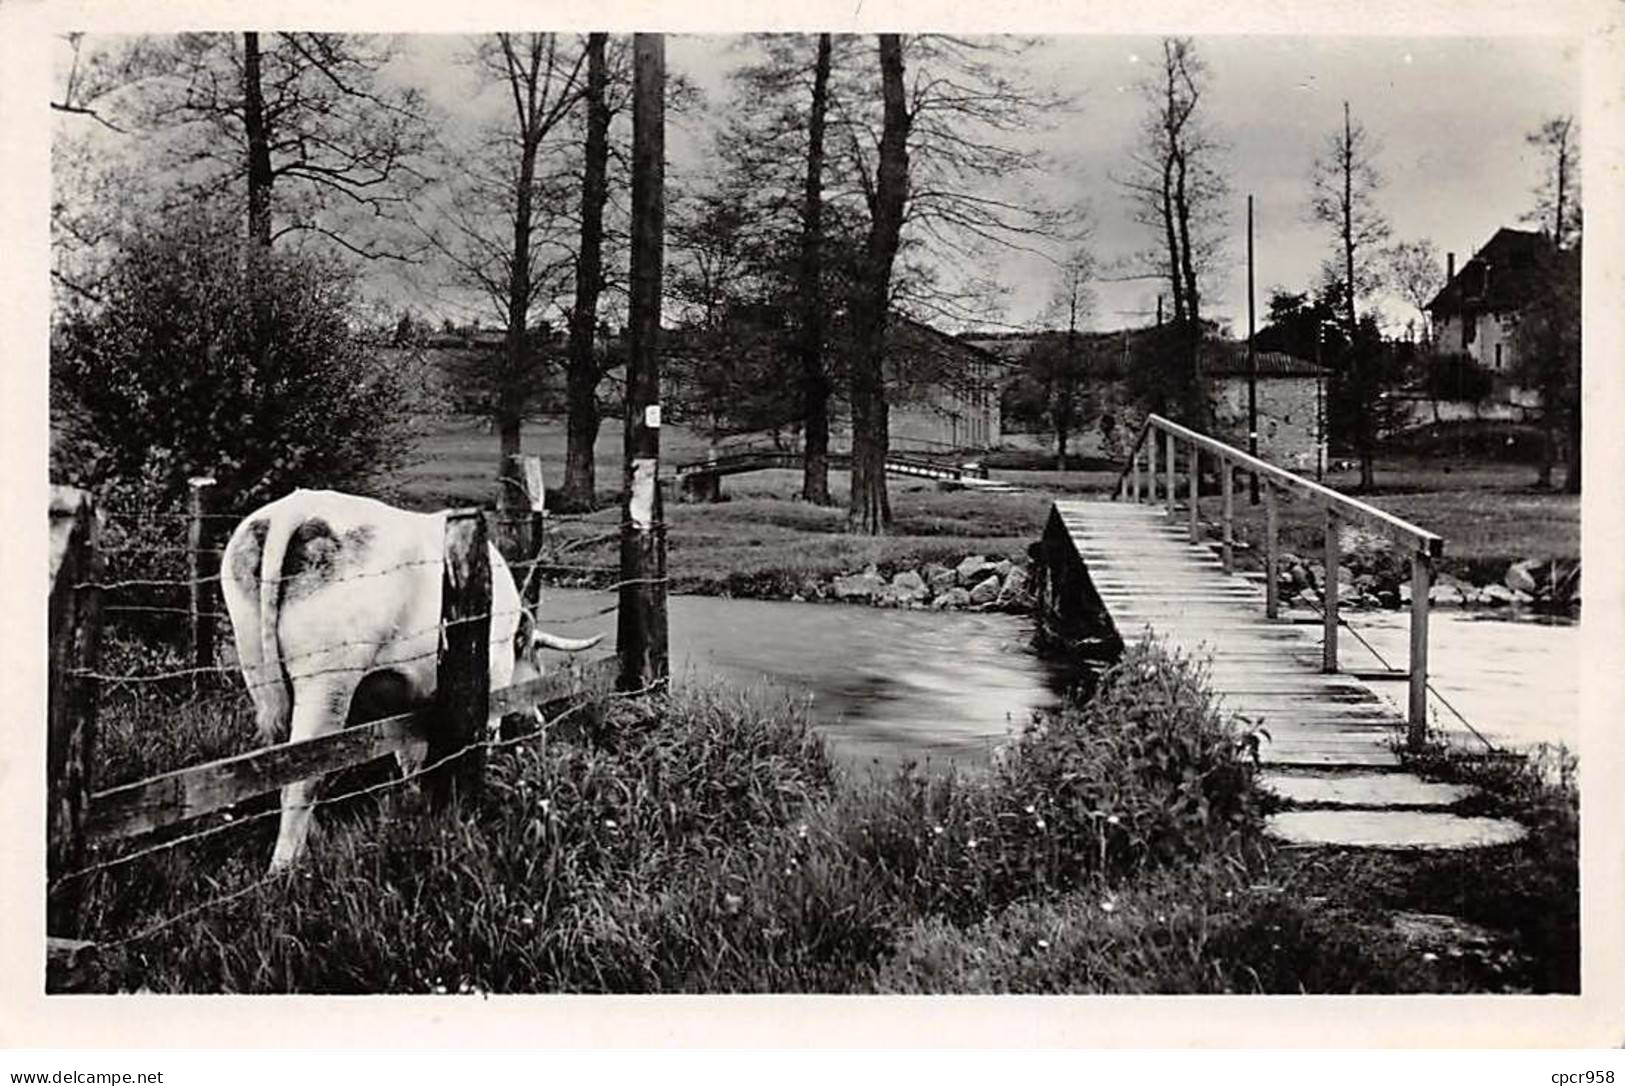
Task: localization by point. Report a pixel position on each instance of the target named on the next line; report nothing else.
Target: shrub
(204, 355)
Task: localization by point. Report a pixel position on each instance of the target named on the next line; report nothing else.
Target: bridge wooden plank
(1152, 577)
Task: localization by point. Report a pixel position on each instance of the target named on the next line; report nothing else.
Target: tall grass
(704, 842)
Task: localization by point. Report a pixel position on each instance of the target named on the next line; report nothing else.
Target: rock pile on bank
(1374, 574)
(977, 583)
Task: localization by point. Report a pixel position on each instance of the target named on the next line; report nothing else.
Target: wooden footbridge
(703, 478)
(1145, 564)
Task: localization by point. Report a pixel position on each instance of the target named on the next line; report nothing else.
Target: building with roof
(1476, 312)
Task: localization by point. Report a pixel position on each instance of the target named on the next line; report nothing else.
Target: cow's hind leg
(320, 708)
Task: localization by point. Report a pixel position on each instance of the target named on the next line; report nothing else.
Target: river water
(942, 687)
(884, 685)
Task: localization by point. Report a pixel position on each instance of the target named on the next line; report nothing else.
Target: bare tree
(1345, 182)
(500, 227)
(1412, 268)
(1557, 197)
(1063, 373)
(321, 145)
(1179, 192)
(815, 381)
(869, 509)
(583, 370)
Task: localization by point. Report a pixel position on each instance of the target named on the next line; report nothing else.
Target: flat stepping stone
(1364, 789)
(1391, 829)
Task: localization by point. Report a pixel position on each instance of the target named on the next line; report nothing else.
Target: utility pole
(641, 625)
(1252, 358)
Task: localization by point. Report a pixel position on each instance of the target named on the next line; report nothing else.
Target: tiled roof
(1499, 278)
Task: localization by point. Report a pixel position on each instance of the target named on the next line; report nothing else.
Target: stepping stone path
(1328, 755)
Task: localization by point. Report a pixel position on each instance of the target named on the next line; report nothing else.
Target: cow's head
(529, 641)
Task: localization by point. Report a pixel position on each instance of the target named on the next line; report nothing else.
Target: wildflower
(439, 989)
(1029, 808)
(937, 830)
(464, 988)
(971, 843)
(1430, 957)
(1043, 944)
(609, 823)
(731, 903)
(1039, 823)
(528, 921)
(1113, 820)
(801, 831)
(1108, 905)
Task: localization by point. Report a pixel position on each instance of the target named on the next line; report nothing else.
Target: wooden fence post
(1195, 492)
(1334, 562)
(205, 565)
(1272, 581)
(1228, 487)
(1421, 582)
(463, 683)
(530, 513)
(75, 634)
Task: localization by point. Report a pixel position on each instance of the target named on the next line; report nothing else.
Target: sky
(1450, 114)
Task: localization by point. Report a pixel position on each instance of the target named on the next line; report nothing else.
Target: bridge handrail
(1426, 542)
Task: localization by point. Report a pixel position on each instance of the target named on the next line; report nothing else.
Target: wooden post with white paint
(74, 639)
(1151, 464)
(1333, 563)
(1272, 552)
(1168, 452)
(205, 569)
(1421, 582)
(1195, 464)
(641, 621)
(463, 682)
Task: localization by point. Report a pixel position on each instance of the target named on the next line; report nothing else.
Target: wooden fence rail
(1424, 546)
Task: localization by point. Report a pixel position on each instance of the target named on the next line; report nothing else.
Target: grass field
(763, 541)
(704, 841)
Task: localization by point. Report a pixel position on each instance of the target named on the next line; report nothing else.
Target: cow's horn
(543, 639)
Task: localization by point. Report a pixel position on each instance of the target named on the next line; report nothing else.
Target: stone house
(1476, 312)
(1291, 391)
(1291, 404)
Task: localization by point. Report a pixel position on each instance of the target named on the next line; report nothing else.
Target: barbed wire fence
(161, 662)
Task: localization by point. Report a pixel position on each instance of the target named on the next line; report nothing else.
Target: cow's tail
(275, 703)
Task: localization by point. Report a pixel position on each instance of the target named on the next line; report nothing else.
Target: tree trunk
(1571, 479)
(258, 135)
(870, 507)
(814, 377)
(1364, 395)
(580, 482)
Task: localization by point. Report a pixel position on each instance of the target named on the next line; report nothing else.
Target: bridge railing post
(1228, 488)
(1195, 465)
(1328, 656)
(1168, 456)
(1134, 475)
(1421, 582)
(1272, 582)
(1151, 465)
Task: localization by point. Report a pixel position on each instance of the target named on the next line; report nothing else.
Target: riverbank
(704, 841)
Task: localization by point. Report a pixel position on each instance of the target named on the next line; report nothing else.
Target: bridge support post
(1421, 581)
(1334, 549)
(1151, 466)
(1272, 561)
(1168, 456)
(1134, 476)
(1195, 492)
(1228, 486)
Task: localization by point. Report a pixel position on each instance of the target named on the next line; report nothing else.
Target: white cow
(335, 604)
